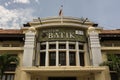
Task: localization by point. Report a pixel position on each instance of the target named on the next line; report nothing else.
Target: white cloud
(7, 3)
(18, 1)
(21, 1)
(14, 18)
(36, 0)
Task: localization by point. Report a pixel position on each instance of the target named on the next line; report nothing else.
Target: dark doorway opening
(61, 78)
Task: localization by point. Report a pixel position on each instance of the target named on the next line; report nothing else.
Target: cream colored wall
(25, 76)
(20, 55)
(104, 75)
(87, 56)
(82, 78)
(104, 56)
(18, 73)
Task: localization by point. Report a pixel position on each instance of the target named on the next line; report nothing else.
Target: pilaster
(95, 47)
(77, 54)
(29, 48)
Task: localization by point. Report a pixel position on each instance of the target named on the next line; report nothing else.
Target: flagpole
(40, 20)
(62, 14)
(84, 20)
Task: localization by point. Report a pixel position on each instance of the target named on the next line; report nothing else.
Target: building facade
(58, 48)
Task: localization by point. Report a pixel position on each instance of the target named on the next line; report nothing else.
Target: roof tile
(10, 31)
(110, 32)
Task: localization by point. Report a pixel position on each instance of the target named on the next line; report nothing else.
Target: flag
(60, 13)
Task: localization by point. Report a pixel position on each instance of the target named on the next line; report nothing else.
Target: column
(29, 50)
(57, 56)
(95, 47)
(87, 55)
(37, 56)
(77, 54)
(47, 54)
(67, 53)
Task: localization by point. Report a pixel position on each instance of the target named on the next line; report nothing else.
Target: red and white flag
(61, 11)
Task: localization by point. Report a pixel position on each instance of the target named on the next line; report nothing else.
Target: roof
(108, 35)
(11, 35)
(56, 21)
(110, 31)
(10, 31)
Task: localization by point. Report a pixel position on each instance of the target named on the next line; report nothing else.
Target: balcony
(11, 47)
(11, 67)
(67, 71)
(110, 46)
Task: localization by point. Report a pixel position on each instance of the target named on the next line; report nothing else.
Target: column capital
(32, 29)
(91, 29)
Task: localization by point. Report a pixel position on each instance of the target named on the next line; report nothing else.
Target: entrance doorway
(61, 78)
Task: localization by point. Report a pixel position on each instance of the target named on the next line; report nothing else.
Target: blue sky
(14, 13)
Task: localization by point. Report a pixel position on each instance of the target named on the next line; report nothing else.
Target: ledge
(64, 68)
(110, 48)
(11, 48)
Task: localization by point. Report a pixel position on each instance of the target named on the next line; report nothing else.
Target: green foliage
(5, 61)
(113, 63)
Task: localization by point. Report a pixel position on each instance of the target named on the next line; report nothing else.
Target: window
(62, 46)
(57, 53)
(8, 77)
(52, 58)
(42, 59)
(81, 47)
(62, 58)
(52, 46)
(11, 67)
(42, 47)
(81, 57)
(118, 55)
(114, 76)
(71, 46)
(72, 58)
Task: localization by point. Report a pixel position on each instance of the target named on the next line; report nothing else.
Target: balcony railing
(11, 67)
(11, 45)
(110, 44)
(8, 46)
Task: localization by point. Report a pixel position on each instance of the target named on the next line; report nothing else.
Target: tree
(113, 63)
(5, 61)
